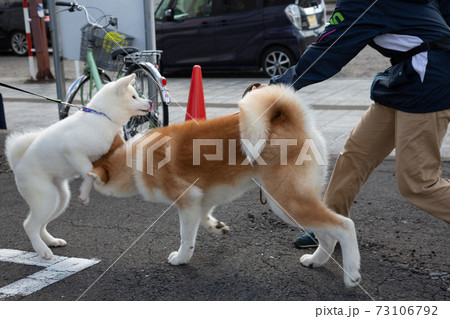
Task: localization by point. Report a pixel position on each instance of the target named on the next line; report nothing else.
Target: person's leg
(418, 142)
(368, 144)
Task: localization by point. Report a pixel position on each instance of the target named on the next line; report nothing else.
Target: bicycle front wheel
(149, 87)
(81, 92)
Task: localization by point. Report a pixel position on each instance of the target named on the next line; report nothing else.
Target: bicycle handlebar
(76, 6)
(72, 5)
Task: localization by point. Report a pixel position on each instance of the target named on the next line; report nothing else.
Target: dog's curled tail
(17, 144)
(264, 109)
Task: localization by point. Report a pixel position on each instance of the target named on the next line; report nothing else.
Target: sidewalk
(337, 104)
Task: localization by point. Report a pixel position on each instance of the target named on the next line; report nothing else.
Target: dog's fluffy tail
(264, 110)
(17, 144)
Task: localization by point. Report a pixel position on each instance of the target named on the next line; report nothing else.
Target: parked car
(232, 34)
(12, 27)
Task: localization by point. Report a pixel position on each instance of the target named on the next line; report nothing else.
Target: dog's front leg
(85, 190)
(82, 165)
(189, 222)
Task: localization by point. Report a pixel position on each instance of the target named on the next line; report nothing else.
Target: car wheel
(18, 43)
(276, 61)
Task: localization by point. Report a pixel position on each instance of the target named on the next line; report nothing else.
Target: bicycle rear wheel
(81, 92)
(148, 86)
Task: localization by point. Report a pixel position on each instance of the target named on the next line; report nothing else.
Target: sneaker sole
(306, 246)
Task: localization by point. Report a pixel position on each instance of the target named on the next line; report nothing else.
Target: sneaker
(307, 240)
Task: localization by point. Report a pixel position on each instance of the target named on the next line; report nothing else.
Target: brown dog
(200, 165)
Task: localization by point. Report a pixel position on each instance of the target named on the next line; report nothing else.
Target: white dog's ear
(132, 77)
(127, 80)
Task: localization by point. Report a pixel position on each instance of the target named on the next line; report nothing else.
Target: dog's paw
(57, 242)
(219, 228)
(175, 259)
(214, 226)
(310, 261)
(97, 179)
(83, 199)
(222, 228)
(45, 252)
(352, 278)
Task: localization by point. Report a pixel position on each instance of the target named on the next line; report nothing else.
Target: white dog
(44, 160)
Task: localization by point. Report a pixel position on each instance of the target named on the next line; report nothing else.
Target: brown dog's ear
(254, 85)
(100, 175)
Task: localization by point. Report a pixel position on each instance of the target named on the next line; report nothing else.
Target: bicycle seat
(122, 51)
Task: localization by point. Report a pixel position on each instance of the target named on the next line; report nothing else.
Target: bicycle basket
(104, 42)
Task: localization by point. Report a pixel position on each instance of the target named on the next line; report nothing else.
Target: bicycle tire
(146, 85)
(83, 92)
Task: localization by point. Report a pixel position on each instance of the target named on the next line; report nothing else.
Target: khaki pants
(417, 139)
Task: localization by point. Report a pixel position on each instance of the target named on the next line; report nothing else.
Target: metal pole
(26, 17)
(2, 114)
(149, 18)
(57, 57)
(40, 40)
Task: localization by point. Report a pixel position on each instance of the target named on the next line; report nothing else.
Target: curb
(331, 107)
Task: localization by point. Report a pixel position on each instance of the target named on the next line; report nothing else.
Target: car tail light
(292, 11)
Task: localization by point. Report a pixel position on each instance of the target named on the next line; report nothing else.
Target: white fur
(254, 134)
(17, 144)
(44, 161)
(346, 235)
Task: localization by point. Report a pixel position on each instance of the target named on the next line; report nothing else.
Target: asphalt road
(404, 251)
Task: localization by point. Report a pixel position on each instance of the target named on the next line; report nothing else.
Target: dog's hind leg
(303, 209)
(344, 231)
(64, 198)
(43, 198)
(322, 255)
(211, 224)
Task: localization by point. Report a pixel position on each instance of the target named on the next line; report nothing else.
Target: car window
(185, 9)
(237, 6)
(159, 14)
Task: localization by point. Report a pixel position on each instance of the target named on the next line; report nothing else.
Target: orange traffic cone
(196, 102)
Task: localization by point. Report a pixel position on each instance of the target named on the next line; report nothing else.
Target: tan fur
(101, 168)
(293, 190)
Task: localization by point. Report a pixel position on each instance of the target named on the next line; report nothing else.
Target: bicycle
(106, 50)
(149, 82)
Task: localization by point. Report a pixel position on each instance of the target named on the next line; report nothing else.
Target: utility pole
(57, 54)
(39, 34)
(149, 22)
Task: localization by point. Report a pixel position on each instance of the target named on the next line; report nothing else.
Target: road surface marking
(55, 269)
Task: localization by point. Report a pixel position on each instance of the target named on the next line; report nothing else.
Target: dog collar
(88, 110)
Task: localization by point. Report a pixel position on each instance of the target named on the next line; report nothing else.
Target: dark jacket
(420, 84)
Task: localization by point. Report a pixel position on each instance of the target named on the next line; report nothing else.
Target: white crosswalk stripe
(55, 269)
